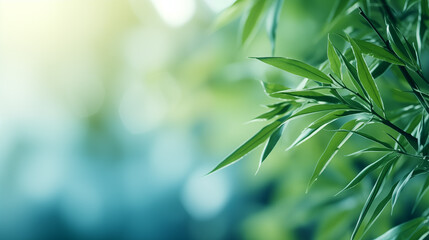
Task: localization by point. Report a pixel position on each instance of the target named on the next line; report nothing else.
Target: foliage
(346, 89)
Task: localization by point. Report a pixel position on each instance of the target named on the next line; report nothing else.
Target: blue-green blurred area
(113, 112)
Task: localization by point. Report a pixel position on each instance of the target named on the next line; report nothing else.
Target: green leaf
(378, 52)
(297, 67)
(331, 150)
(423, 190)
(320, 108)
(273, 22)
(250, 144)
(371, 197)
(306, 93)
(353, 74)
(278, 110)
(380, 207)
(370, 168)
(365, 76)
(421, 26)
(370, 149)
(229, 14)
(272, 142)
(401, 185)
(318, 125)
(396, 43)
(379, 69)
(404, 230)
(270, 88)
(334, 60)
(252, 19)
(369, 137)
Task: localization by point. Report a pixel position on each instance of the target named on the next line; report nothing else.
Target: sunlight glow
(175, 12)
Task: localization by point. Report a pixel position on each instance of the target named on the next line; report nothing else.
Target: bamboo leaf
(396, 43)
(423, 190)
(278, 110)
(334, 60)
(229, 14)
(403, 231)
(272, 142)
(371, 197)
(365, 76)
(306, 94)
(297, 67)
(336, 142)
(370, 168)
(250, 144)
(252, 19)
(320, 108)
(272, 23)
(378, 52)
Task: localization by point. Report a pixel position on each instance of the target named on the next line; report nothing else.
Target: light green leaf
(279, 110)
(353, 74)
(252, 19)
(250, 144)
(365, 76)
(320, 108)
(272, 23)
(318, 125)
(331, 150)
(270, 88)
(297, 67)
(334, 60)
(229, 14)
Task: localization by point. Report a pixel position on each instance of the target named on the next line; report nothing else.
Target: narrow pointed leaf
(252, 20)
(273, 22)
(306, 94)
(297, 67)
(403, 231)
(365, 76)
(423, 190)
(378, 52)
(334, 60)
(250, 144)
(396, 43)
(272, 142)
(320, 108)
(336, 142)
(371, 197)
(370, 168)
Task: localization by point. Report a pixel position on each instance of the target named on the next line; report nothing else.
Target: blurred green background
(112, 112)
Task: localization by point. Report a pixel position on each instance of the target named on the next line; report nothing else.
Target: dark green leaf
(297, 67)
(403, 231)
(370, 168)
(272, 142)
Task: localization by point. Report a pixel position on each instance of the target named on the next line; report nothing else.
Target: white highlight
(175, 12)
